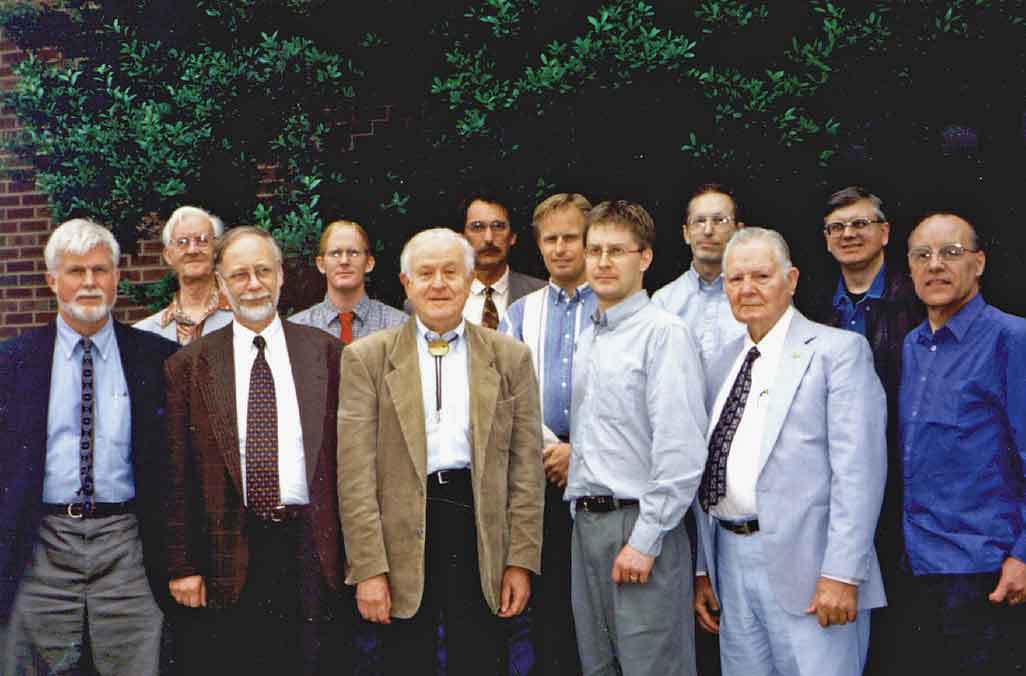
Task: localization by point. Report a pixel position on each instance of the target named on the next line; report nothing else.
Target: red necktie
(345, 330)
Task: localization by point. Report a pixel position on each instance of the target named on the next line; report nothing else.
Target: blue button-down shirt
(556, 319)
(112, 430)
(853, 315)
(962, 411)
(705, 309)
(638, 418)
(368, 316)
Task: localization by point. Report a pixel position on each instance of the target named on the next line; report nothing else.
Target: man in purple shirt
(962, 415)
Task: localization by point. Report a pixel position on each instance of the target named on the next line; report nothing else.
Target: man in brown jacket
(440, 479)
(254, 544)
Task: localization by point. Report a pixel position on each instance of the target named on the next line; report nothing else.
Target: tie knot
(260, 342)
(346, 316)
(753, 354)
(489, 291)
(87, 345)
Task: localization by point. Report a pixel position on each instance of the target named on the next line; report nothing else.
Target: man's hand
(374, 600)
(632, 566)
(834, 602)
(1011, 588)
(516, 589)
(189, 591)
(557, 463)
(707, 608)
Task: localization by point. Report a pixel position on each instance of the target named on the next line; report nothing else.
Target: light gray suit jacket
(823, 465)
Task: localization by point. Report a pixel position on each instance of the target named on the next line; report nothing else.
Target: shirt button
(853, 322)
(933, 348)
(565, 360)
(915, 413)
(562, 384)
(419, 531)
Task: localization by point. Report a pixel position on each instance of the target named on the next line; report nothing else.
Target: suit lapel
(216, 377)
(309, 371)
(34, 398)
(403, 382)
(484, 393)
(794, 362)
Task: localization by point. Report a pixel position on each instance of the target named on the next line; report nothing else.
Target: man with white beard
(254, 541)
(81, 452)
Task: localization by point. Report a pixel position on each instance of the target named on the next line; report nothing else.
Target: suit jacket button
(419, 532)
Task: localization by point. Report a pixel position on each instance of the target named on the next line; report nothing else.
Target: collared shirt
(549, 321)
(746, 447)
(113, 477)
(448, 430)
(292, 486)
(962, 415)
(853, 315)
(705, 309)
(174, 324)
(474, 307)
(368, 316)
(638, 417)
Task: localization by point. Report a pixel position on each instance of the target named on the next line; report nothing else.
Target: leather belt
(602, 503)
(448, 476)
(280, 513)
(740, 527)
(100, 510)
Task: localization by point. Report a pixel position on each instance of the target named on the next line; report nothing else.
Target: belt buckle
(745, 528)
(76, 513)
(278, 513)
(441, 474)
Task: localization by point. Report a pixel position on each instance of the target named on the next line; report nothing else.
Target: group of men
(507, 443)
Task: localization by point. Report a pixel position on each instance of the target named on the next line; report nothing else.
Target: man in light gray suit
(794, 481)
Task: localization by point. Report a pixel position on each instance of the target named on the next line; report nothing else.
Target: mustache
(490, 248)
(255, 295)
(88, 294)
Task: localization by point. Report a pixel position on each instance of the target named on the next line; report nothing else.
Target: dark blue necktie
(88, 419)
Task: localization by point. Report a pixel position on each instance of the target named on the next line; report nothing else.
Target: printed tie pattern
(490, 314)
(345, 327)
(88, 419)
(714, 480)
(262, 491)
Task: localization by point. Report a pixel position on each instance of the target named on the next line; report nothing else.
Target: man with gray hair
(82, 458)
(441, 482)
(793, 483)
(198, 306)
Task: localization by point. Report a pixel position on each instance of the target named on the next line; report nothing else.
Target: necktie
(261, 437)
(714, 480)
(490, 314)
(85, 455)
(345, 330)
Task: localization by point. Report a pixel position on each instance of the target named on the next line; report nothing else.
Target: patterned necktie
(345, 329)
(714, 480)
(490, 314)
(85, 454)
(261, 437)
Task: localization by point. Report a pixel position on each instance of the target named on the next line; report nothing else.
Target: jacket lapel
(484, 393)
(34, 397)
(216, 371)
(309, 377)
(794, 362)
(403, 382)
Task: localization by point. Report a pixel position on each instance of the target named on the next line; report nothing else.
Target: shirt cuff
(647, 538)
(854, 583)
(701, 573)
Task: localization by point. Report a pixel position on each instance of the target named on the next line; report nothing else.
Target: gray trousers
(86, 581)
(631, 629)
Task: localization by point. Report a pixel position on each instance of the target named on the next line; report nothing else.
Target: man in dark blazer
(82, 454)
(254, 541)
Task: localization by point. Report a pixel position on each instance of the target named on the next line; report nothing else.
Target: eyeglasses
(717, 221)
(351, 254)
(614, 253)
(949, 253)
(201, 241)
(836, 228)
(481, 226)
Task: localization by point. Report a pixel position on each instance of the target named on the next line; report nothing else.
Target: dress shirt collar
(957, 325)
(708, 287)
(67, 338)
(626, 308)
(360, 310)
(243, 337)
(422, 330)
(559, 295)
(772, 342)
(174, 313)
(500, 285)
(875, 291)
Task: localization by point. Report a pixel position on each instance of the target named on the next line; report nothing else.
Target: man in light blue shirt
(549, 321)
(638, 451)
(697, 296)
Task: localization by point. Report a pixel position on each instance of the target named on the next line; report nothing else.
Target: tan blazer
(383, 458)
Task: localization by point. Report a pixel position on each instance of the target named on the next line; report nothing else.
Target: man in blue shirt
(963, 439)
(549, 321)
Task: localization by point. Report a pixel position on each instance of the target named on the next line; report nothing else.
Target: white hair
(755, 234)
(182, 213)
(440, 237)
(79, 236)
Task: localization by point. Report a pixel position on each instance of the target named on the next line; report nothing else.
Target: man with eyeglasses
(345, 259)
(197, 308)
(486, 225)
(637, 454)
(873, 297)
(697, 297)
(962, 416)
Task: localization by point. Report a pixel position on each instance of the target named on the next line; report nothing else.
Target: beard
(89, 314)
(254, 313)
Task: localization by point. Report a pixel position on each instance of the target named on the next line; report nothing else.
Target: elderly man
(697, 297)
(795, 476)
(441, 480)
(198, 307)
(549, 321)
(345, 259)
(254, 539)
(637, 454)
(82, 453)
(963, 439)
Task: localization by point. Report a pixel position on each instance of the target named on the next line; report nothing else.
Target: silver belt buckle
(75, 510)
(278, 513)
(441, 477)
